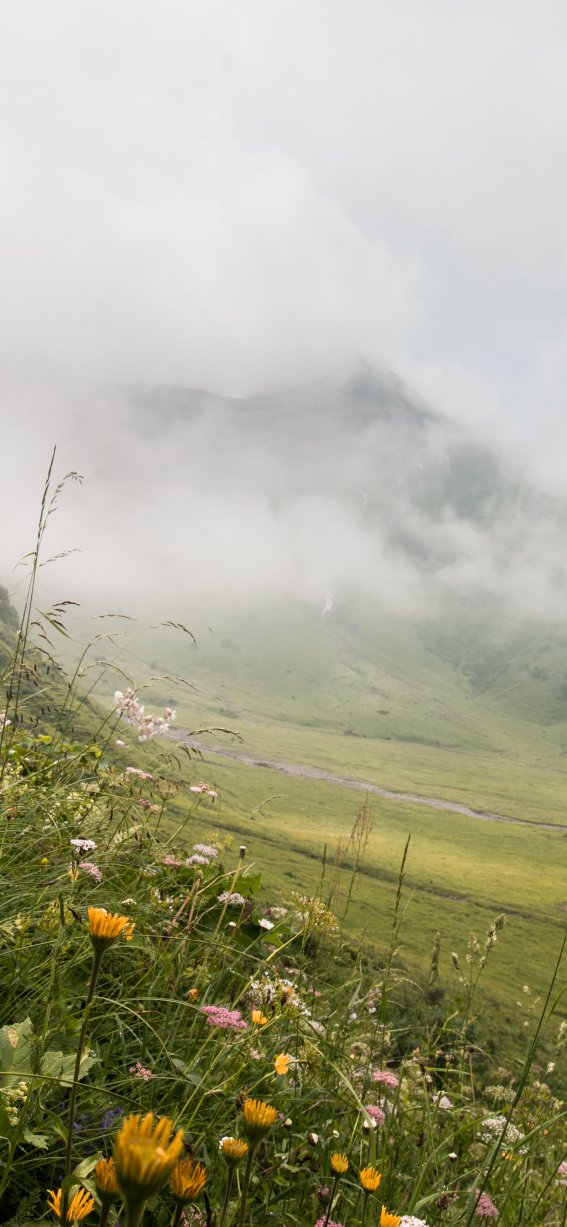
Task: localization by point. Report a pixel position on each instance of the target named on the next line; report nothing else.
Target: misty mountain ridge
(358, 487)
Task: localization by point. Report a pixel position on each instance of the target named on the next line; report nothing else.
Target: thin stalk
(331, 1200)
(246, 1183)
(178, 1212)
(76, 1073)
(228, 1191)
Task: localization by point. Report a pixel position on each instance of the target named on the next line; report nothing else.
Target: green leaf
(40, 1140)
(16, 1051)
(61, 1065)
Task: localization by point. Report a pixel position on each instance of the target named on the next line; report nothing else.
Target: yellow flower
(389, 1220)
(258, 1118)
(105, 1180)
(258, 1018)
(188, 1179)
(233, 1150)
(105, 927)
(145, 1155)
(79, 1206)
(282, 1063)
(370, 1179)
(339, 1164)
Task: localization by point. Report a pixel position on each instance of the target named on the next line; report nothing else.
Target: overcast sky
(255, 194)
(234, 194)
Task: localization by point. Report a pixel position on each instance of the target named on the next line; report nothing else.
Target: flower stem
(76, 1073)
(331, 1200)
(178, 1212)
(134, 1213)
(364, 1206)
(245, 1183)
(226, 1201)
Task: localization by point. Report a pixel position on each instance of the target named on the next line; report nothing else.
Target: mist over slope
(310, 493)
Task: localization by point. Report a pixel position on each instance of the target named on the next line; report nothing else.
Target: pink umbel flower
(172, 860)
(206, 850)
(228, 1020)
(485, 1207)
(140, 1071)
(92, 870)
(140, 775)
(329, 1223)
(127, 706)
(386, 1078)
(375, 1113)
(562, 1173)
(204, 790)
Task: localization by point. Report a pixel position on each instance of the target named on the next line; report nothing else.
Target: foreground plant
(258, 1118)
(104, 929)
(188, 1180)
(145, 1154)
(106, 1187)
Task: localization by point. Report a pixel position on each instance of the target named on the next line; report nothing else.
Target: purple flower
(386, 1078)
(228, 1020)
(376, 1114)
(111, 1116)
(485, 1207)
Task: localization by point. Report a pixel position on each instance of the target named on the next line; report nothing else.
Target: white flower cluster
(493, 1126)
(127, 705)
(233, 900)
(4, 722)
(82, 845)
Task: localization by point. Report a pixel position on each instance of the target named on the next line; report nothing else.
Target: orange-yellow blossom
(339, 1164)
(389, 1220)
(370, 1179)
(105, 1179)
(105, 927)
(145, 1154)
(79, 1206)
(188, 1179)
(257, 1118)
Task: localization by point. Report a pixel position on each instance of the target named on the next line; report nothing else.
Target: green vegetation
(328, 968)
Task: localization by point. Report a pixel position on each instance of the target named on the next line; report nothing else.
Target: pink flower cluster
(485, 1207)
(386, 1078)
(376, 1114)
(140, 1071)
(127, 705)
(219, 1016)
(92, 870)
